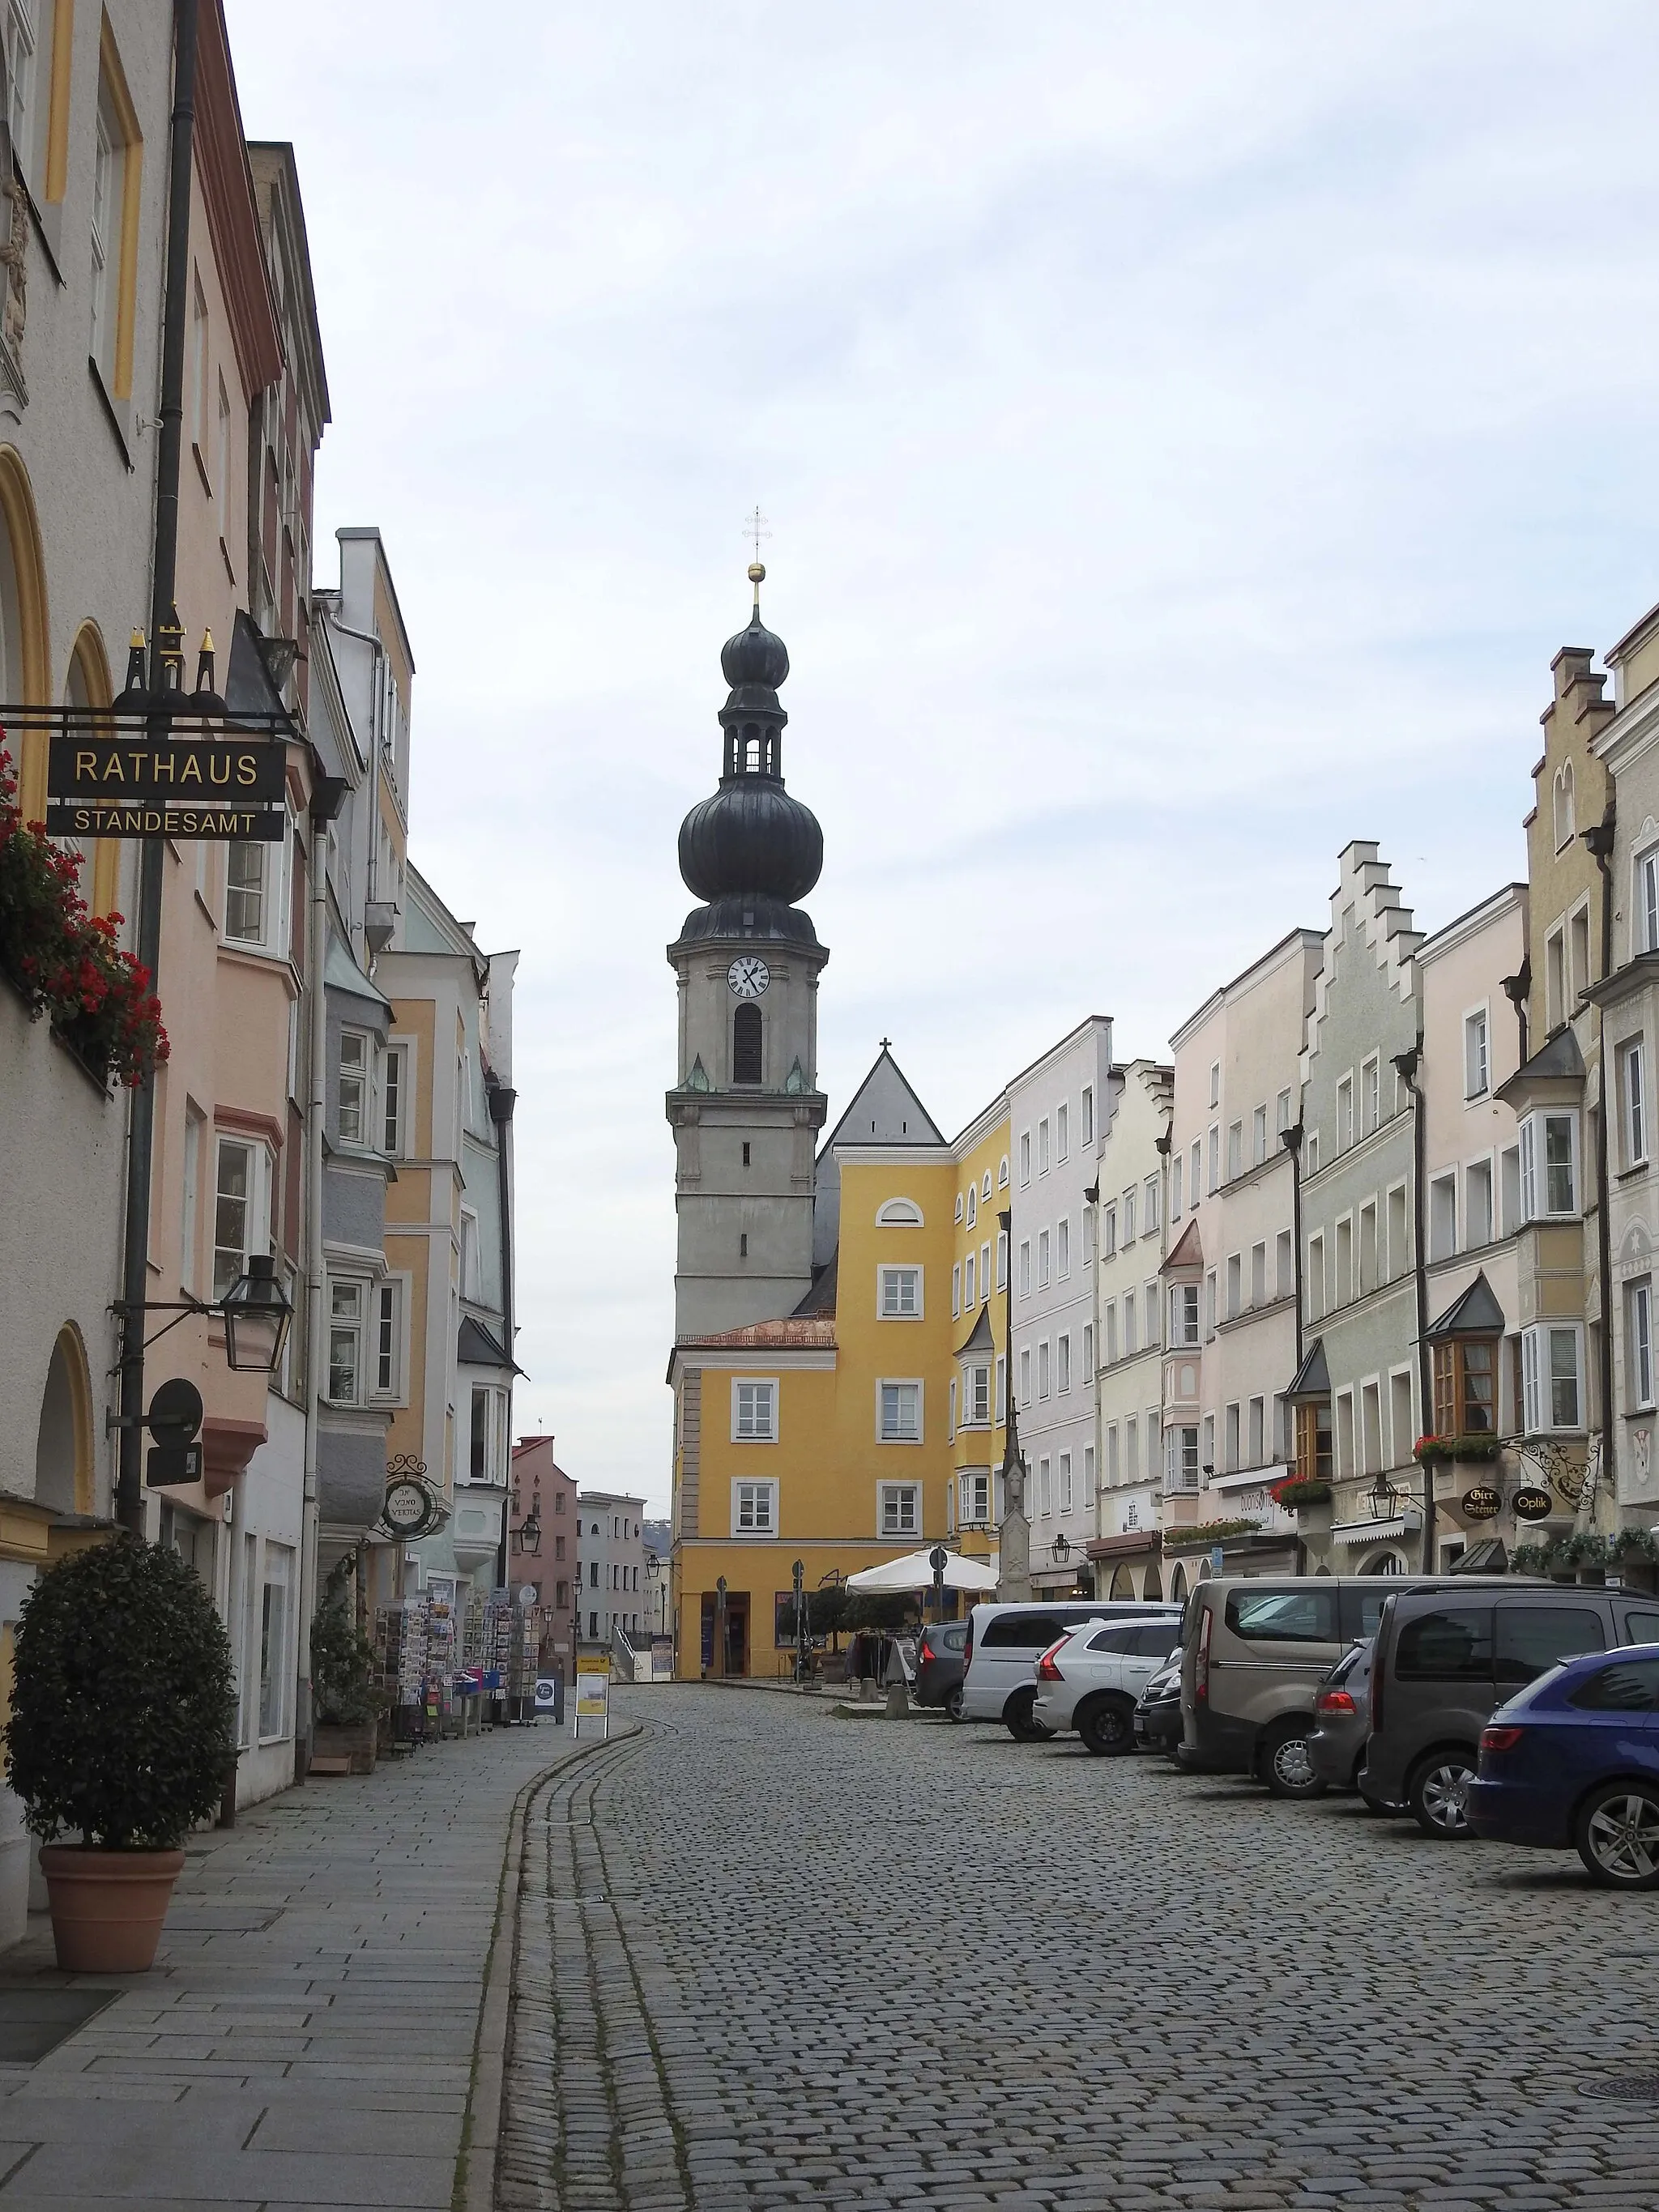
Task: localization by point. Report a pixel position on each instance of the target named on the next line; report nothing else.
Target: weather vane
(754, 525)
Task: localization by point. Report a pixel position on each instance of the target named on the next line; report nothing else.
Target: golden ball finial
(756, 573)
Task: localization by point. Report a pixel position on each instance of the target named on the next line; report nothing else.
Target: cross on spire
(887, 1044)
(754, 525)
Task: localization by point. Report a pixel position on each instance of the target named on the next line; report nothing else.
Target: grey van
(1255, 1650)
(1446, 1658)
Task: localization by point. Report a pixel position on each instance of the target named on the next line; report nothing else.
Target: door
(736, 1632)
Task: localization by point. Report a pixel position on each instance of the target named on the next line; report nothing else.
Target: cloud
(1187, 433)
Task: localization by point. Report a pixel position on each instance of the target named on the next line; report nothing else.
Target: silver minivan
(1005, 1643)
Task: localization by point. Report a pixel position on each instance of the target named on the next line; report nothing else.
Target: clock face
(748, 976)
(406, 1506)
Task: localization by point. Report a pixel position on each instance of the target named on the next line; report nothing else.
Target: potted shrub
(122, 1726)
(345, 1697)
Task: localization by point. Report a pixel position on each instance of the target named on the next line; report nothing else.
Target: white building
(612, 1594)
(1129, 1182)
(1055, 1113)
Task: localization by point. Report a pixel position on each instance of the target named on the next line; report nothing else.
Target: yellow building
(861, 1427)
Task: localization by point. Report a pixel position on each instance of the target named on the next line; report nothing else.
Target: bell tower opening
(746, 1045)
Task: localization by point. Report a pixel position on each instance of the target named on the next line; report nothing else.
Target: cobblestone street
(791, 1961)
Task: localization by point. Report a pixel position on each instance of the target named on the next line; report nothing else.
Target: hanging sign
(1532, 1503)
(181, 771)
(103, 817)
(1483, 1503)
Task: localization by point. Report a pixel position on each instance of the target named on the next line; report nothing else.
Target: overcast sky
(1187, 434)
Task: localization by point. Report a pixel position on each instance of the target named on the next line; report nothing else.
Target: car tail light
(1336, 1701)
(1500, 1739)
(1201, 1669)
(927, 1651)
(1046, 1668)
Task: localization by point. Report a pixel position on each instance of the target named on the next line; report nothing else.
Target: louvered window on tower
(746, 1045)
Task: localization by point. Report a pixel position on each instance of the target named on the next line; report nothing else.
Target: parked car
(941, 1662)
(1445, 1658)
(1255, 1652)
(1572, 1763)
(1005, 1643)
(1089, 1679)
(1158, 1711)
(1342, 1718)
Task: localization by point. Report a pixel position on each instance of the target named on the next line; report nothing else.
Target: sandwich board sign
(592, 1691)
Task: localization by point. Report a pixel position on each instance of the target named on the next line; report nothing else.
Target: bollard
(898, 1704)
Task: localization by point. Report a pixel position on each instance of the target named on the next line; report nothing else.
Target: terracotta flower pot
(107, 1907)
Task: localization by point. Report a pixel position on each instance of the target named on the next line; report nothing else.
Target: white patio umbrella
(914, 1572)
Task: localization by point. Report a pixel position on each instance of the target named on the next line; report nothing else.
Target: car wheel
(1287, 1766)
(953, 1704)
(1107, 1727)
(1437, 1795)
(1021, 1726)
(1617, 1832)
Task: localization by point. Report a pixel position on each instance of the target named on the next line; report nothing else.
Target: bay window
(1315, 1458)
(1552, 1377)
(1549, 1166)
(1465, 1381)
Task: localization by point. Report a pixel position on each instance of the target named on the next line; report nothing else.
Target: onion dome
(749, 845)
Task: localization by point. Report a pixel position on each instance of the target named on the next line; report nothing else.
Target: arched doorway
(62, 1442)
(25, 663)
(1123, 1583)
(1178, 1584)
(1153, 1586)
(1384, 1563)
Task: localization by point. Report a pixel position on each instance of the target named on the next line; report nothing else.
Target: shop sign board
(592, 1690)
(1532, 1503)
(105, 817)
(181, 771)
(1482, 1503)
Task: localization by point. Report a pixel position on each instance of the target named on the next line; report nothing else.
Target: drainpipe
(327, 797)
(1291, 1141)
(1515, 988)
(141, 1120)
(1599, 842)
(501, 1102)
(1408, 1064)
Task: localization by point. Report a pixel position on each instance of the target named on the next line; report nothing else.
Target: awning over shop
(1377, 1532)
(1129, 1546)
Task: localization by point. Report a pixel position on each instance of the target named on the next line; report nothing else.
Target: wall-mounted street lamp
(527, 1536)
(256, 1311)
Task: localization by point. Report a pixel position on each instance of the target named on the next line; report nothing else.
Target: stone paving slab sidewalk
(306, 2038)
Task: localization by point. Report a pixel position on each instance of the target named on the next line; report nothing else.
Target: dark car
(941, 1662)
(1573, 1764)
(1445, 1658)
(1342, 1718)
(1158, 1711)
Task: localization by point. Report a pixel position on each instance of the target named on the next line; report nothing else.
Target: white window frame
(891, 1282)
(1534, 1174)
(1002, 1172)
(755, 1409)
(1371, 1095)
(1063, 1249)
(973, 1498)
(976, 1395)
(1151, 1207)
(349, 1326)
(1185, 1319)
(269, 941)
(1633, 1102)
(1002, 1259)
(1087, 1124)
(754, 1509)
(391, 1107)
(898, 1213)
(1025, 1158)
(1477, 1052)
(893, 1432)
(1538, 1377)
(256, 1228)
(1644, 901)
(1063, 1362)
(1638, 1341)
(898, 1509)
(1062, 1130)
(354, 1088)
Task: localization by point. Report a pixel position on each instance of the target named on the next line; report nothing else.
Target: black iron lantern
(257, 1314)
(1384, 1498)
(1061, 1550)
(528, 1534)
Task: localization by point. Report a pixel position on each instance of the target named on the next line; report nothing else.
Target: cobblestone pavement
(784, 1959)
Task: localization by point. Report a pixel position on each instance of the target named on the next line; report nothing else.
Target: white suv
(1089, 1679)
(1005, 1641)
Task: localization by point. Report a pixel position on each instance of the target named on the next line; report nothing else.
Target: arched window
(1002, 1172)
(63, 1443)
(899, 1213)
(1123, 1583)
(1564, 823)
(746, 1045)
(1154, 1583)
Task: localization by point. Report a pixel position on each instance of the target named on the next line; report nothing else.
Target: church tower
(746, 1107)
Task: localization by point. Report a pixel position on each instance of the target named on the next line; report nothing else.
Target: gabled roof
(1559, 1060)
(1476, 1312)
(821, 1299)
(1189, 1250)
(1313, 1379)
(979, 1338)
(476, 1347)
(927, 1130)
